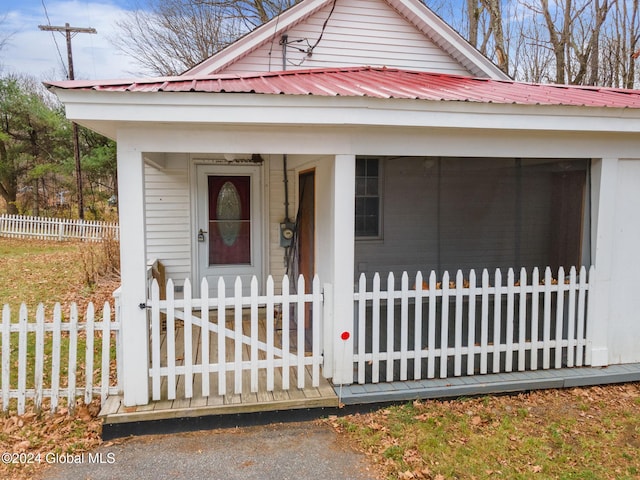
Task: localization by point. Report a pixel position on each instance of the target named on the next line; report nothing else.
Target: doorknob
(201, 235)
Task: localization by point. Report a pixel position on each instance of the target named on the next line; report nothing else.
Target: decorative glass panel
(229, 220)
(228, 213)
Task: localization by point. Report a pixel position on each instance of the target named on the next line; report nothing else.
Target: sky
(33, 52)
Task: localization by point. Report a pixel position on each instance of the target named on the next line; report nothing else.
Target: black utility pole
(68, 30)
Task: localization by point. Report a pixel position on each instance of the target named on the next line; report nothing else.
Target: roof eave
(250, 109)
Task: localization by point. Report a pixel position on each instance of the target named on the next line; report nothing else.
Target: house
(253, 163)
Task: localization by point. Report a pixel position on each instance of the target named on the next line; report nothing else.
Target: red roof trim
(376, 83)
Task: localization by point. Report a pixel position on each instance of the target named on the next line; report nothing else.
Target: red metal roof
(377, 83)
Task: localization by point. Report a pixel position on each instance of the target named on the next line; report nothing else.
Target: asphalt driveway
(304, 450)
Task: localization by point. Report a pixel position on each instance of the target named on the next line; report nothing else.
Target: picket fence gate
(491, 328)
(247, 348)
(40, 341)
(42, 228)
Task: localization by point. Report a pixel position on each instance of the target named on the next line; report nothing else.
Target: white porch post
(343, 267)
(133, 267)
(604, 180)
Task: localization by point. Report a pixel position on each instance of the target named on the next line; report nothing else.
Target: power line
(68, 31)
(46, 14)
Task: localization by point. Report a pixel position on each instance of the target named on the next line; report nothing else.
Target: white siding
(168, 217)
(276, 266)
(367, 32)
(624, 302)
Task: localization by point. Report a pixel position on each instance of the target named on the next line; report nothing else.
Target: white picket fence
(209, 350)
(41, 228)
(35, 350)
(462, 327)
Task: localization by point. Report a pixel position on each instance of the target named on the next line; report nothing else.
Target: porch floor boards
(488, 384)
(114, 411)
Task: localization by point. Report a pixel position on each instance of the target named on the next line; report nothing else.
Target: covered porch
(407, 328)
(430, 155)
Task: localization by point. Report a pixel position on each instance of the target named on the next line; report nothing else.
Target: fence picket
(510, 320)
(484, 333)
(404, 325)
(431, 364)
(375, 340)
(73, 357)
(254, 334)
(285, 332)
(270, 306)
(535, 299)
(22, 358)
(522, 321)
(88, 354)
(362, 331)
(546, 336)
(55, 358)
(444, 326)
(559, 318)
(6, 356)
(222, 356)
(457, 362)
(204, 338)
(38, 372)
(188, 340)
(237, 339)
(171, 342)
(390, 325)
(300, 328)
(417, 336)
(106, 352)
(497, 320)
(571, 335)
(471, 325)
(155, 340)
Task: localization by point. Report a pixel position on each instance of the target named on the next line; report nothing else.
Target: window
(367, 198)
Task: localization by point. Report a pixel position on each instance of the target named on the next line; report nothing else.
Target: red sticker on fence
(345, 335)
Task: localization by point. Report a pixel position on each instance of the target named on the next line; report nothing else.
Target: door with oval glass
(228, 225)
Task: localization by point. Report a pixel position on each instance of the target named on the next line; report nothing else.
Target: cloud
(33, 52)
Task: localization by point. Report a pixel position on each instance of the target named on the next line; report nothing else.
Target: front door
(228, 227)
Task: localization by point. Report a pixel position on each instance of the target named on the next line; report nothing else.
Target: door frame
(202, 169)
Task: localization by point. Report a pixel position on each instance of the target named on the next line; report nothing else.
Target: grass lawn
(33, 272)
(581, 433)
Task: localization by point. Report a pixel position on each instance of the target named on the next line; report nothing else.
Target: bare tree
(174, 35)
(481, 22)
(168, 37)
(4, 37)
(252, 13)
(620, 46)
(573, 33)
(494, 10)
